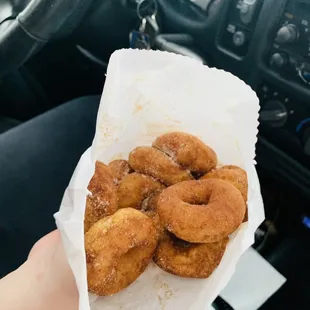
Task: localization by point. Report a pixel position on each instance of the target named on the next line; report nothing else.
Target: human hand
(44, 281)
(53, 275)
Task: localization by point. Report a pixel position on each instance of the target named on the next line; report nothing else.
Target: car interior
(54, 51)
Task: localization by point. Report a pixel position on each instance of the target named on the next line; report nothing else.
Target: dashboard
(267, 44)
(203, 4)
(264, 42)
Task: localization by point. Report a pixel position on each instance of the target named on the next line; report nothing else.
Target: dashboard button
(239, 38)
(278, 60)
(274, 113)
(287, 34)
(304, 72)
(244, 8)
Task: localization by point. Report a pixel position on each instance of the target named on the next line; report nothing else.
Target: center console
(290, 52)
(285, 122)
(285, 113)
(236, 34)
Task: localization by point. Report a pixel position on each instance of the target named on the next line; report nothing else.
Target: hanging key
(152, 28)
(139, 39)
(147, 9)
(144, 38)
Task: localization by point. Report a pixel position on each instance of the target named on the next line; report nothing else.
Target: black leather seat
(7, 123)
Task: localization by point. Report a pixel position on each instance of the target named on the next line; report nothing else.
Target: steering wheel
(27, 25)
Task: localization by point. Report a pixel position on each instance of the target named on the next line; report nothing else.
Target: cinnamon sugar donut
(118, 249)
(201, 211)
(236, 176)
(150, 161)
(233, 174)
(119, 169)
(189, 260)
(103, 198)
(188, 151)
(149, 208)
(134, 188)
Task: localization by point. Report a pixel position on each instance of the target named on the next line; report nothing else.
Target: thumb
(48, 258)
(46, 242)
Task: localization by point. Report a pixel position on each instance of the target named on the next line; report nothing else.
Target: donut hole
(196, 194)
(149, 204)
(197, 201)
(197, 175)
(145, 205)
(179, 243)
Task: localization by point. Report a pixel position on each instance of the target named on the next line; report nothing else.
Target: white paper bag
(146, 94)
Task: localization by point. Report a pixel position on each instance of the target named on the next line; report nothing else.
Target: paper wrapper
(146, 94)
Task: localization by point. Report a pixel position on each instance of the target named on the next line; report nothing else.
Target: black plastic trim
(282, 166)
(17, 45)
(43, 18)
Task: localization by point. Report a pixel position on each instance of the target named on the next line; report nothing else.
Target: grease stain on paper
(165, 292)
(138, 108)
(156, 129)
(107, 127)
(118, 156)
(141, 103)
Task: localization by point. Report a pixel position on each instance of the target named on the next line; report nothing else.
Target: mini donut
(150, 161)
(103, 198)
(119, 169)
(134, 188)
(201, 211)
(118, 249)
(188, 151)
(236, 176)
(149, 208)
(189, 260)
(233, 174)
